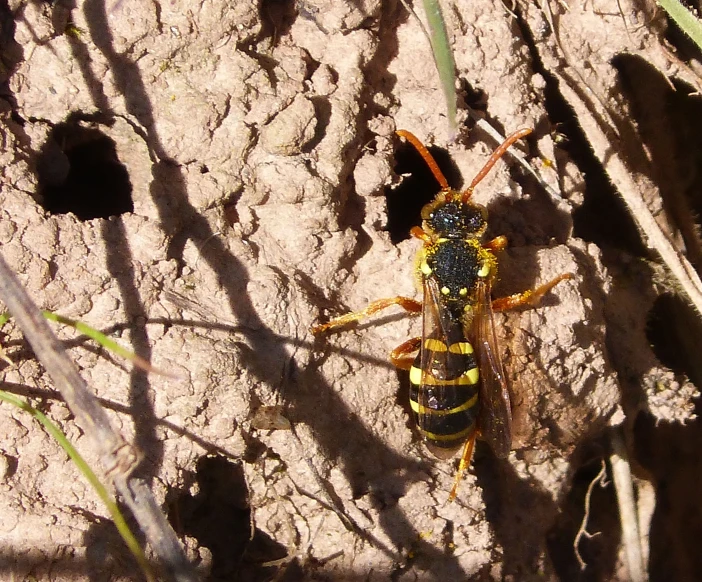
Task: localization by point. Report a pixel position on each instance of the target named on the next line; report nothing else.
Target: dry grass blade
(628, 515)
(685, 279)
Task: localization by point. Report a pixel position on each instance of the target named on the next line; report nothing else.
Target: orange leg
(463, 465)
(496, 244)
(418, 232)
(531, 297)
(399, 357)
(406, 303)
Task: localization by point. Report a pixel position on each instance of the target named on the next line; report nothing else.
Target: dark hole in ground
(686, 120)
(219, 518)
(603, 217)
(277, 16)
(670, 452)
(79, 172)
(475, 98)
(417, 189)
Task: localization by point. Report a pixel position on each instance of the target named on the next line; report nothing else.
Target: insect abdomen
(447, 409)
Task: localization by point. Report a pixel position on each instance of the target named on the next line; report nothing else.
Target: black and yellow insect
(458, 385)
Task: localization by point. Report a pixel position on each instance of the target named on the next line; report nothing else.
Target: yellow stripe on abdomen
(419, 378)
(456, 436)
(419, 409)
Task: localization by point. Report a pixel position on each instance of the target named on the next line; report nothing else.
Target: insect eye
(444, 219)
(474, 218)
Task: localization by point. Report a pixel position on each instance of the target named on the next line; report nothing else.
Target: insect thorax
(454, 256)
(457, 265)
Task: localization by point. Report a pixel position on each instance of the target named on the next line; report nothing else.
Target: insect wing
(495, 419)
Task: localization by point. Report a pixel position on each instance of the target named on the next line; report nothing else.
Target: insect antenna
(428, 158)
(496, 155)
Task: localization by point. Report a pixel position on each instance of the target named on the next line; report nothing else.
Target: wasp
(458, 386)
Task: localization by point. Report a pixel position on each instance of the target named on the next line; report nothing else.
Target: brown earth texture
(205, 180)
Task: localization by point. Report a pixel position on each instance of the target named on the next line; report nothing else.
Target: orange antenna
(496, 155)
(424, 152)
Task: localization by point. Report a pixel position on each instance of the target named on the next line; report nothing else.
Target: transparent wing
(495, 418)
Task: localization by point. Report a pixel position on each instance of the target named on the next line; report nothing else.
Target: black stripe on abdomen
(437, 423)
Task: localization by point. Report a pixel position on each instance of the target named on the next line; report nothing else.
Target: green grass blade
(102, 339)
(684, 19)
(107, 343)
(84, 468)
(443, 57)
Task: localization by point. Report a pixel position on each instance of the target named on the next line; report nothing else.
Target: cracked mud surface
(247, 156)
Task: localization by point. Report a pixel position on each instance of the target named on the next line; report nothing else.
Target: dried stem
(628, 515)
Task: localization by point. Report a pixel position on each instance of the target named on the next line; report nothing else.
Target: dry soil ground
(205, 180)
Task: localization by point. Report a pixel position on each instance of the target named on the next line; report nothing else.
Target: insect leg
(462, 465)
(418, 232)
(399, 357)
(496, 244)
(406, 303)
(531, 297)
